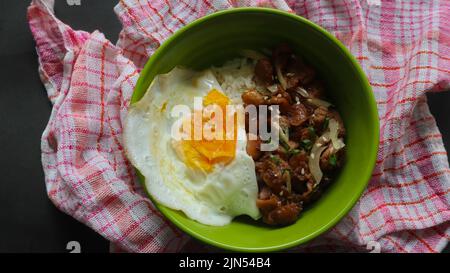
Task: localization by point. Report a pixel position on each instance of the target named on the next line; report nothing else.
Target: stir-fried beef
(264, 72)
(287, 176)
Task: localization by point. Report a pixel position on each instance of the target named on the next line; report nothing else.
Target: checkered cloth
(403, 46)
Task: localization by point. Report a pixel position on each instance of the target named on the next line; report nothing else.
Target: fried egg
(210, 180)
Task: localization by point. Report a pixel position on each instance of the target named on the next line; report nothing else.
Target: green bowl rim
(373, 112)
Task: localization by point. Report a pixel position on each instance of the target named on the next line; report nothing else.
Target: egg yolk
(204, 153)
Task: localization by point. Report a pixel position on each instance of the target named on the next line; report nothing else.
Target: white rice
(235, 77)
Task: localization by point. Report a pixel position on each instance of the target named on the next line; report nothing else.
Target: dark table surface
(29, 221)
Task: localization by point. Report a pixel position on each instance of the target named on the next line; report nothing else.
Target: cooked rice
(236, 76)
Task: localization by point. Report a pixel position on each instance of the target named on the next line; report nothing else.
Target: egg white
(213, 198)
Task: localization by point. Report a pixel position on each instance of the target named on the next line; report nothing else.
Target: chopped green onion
(333, 160)
(306, 144)
(325, 123)
(284, 136)
(275, 159)
(294, 152)
(288, 179)
(286, 149)
(312, 132)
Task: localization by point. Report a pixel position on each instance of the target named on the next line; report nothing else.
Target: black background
(28, 220)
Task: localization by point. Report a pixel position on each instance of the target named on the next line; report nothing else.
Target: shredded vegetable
(284, 135)
(314, 163)
(302, 92)
(280, 77)
(338, 144)
(319, 102)
(314, 158)
(287, 177)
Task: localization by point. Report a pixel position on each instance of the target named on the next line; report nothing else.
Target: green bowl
(218, 37)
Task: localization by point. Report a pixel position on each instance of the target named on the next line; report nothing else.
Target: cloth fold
(403, 47)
